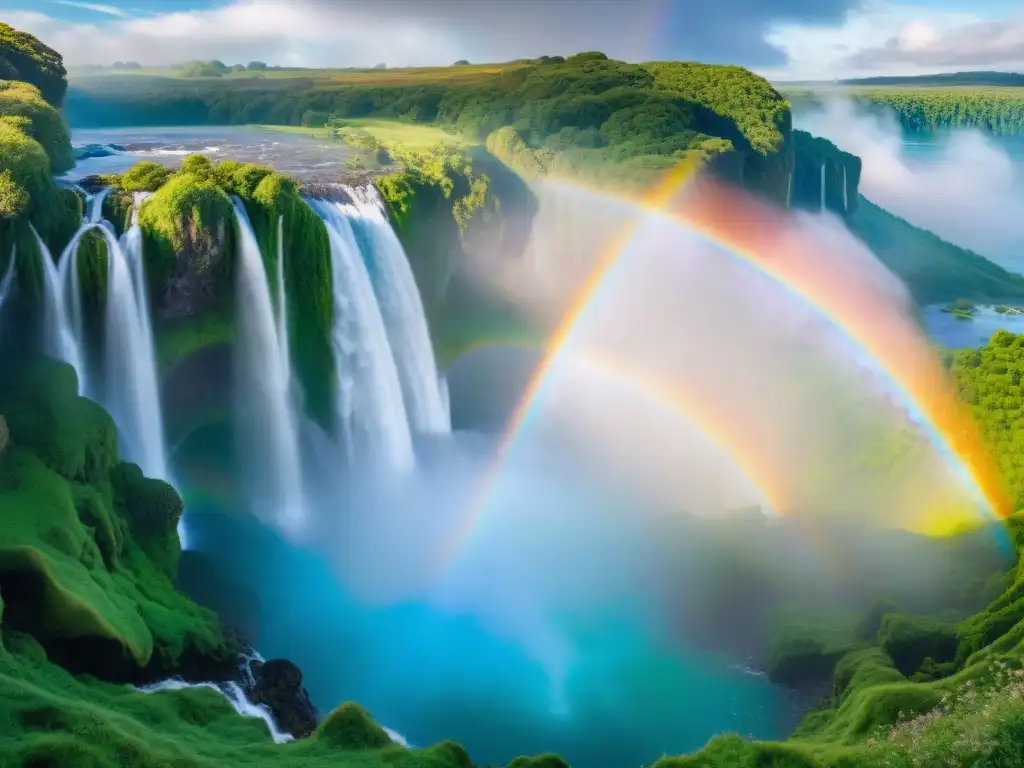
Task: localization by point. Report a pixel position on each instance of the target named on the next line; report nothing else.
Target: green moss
(49, 718)
(187, 225)
(909, 640)
(805, 649)
(351, 727)
(307, 274)
(45, 123)
(153, 509)
(23, 57)
(71, 435)
(13, 199)
(92, 263)
(733, 752)
(539, 761)
(179, 338)
(88, 544)
(144, 177)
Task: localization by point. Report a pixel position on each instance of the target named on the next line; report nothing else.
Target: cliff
(824, 177)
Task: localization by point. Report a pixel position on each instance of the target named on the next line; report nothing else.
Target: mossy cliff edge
(88, 548)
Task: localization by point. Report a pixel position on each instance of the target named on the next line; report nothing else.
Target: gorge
(242, 410)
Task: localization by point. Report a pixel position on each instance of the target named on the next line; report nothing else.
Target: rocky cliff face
(824, 176)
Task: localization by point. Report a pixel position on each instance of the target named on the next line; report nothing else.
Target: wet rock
(96, 150)
(277, 684)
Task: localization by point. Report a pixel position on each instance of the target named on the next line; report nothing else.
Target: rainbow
(766, 240)
(769, 242)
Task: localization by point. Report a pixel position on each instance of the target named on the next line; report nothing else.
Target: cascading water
(6, 286)
(789, 190)
(846, 202)
(61, 342)
(236, 697)
(282, 311)
(8, 279)
(94, 209)
(266, 421)
(823, 187)
(371, 413)
(402, 310)
(131, 392)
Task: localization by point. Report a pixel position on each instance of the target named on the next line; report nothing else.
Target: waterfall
(789, 190)
(371, 413)
(402, 309)
(94, 209)
(823, 187)
(8, 279)
(6, 286)
(61, 340)
(132, 391)
(236, 697)
(282, 309)
(846, 202)
(265, 420)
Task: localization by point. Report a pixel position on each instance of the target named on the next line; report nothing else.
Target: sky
(781, 39)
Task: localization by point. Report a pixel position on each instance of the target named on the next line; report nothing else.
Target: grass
(49, 718)
(412, 136)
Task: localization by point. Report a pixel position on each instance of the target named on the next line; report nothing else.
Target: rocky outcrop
(277, 684)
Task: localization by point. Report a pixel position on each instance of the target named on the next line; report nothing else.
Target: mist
(708, 450)
(963, 186)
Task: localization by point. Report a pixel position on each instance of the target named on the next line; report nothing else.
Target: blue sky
(783, 39)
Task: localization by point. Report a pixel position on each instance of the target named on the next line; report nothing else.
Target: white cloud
(409, 32)
(110, 10)
(974, 45)
(268, 30)
(847, 50)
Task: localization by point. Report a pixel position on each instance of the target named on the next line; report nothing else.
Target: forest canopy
(999, 111)
(587, 109)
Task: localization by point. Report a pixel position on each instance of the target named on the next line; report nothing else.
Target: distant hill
(991, 79)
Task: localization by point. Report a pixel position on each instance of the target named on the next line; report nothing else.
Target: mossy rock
(24, 57)
(351, 727)
(153, 509)
(188, 240)
(539, 761)
(86, 545)
(307, 274)
(45, 123)
(861, 669)
(804, 650)
(73, 436)
(909, 640)
(731, 751)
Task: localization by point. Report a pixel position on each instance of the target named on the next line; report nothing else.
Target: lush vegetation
(24, 58)
(989, 379)
(189, 241)
(999, 111)
(88, 547)
(42, 122)
(581, 115)
(88, 544)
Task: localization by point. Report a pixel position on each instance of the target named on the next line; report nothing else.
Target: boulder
(277, 684)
